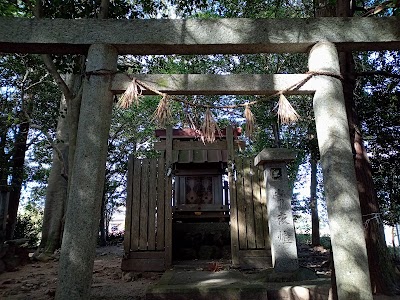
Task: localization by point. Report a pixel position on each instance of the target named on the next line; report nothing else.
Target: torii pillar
(87, 180)
(346, 227)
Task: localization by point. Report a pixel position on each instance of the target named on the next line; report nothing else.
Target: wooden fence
(148, 228)
(250, 243)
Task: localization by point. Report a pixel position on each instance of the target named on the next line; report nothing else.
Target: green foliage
(90, 9)
(243, 9)
(306, 239)
(131, 133)
(132, 130)
(115, 237)
(394, 252)
(29, 224)
(28, 95)
(8, 9)
(378, 103)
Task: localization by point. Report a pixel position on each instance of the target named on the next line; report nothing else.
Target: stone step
(233, 285)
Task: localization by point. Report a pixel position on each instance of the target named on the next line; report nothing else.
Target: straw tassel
(286, 113)
(209, 127)
(131, 95)
(163, 112)
(249, 116)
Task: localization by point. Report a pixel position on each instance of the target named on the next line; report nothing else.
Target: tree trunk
(379, 266)
(18, 162)
(315, 237)
(103, 232)
(3, 158)
(103, 14)
(56, 193)
(275, 130)
(57, 189)
(74, 107)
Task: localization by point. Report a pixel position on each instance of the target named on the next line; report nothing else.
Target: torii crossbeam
(193, 36)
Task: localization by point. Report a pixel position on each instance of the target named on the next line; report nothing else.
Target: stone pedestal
(280, 218)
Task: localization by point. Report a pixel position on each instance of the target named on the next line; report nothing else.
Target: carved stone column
(280, 218)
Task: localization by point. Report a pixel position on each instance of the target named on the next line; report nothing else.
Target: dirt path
(38, 280)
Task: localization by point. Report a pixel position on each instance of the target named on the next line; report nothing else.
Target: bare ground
(38, 280)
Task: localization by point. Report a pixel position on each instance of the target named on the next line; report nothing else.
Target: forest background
(40, 100)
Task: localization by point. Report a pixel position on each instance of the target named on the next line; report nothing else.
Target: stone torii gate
(103, 40)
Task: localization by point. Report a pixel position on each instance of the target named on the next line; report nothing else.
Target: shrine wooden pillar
(168, 198)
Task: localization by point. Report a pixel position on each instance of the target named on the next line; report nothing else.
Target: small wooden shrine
(200, 193)
(197, 201)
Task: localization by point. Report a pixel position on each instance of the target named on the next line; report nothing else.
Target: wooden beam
(212, 84)
(198, 145)
(194, 36)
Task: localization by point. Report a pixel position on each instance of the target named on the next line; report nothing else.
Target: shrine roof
(189, 133)
(187, 146)
(199, 156)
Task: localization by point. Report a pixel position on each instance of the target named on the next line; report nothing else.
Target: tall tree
(21, 96)
(315, 233)
(380, 274)
(74, 66)
(57, 186)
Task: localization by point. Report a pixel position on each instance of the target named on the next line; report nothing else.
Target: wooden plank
(179, 190)
(232, 198)
(187, 145)
(203, 207)
(161, 203)
(217, 190)
(197, 172)
(168, 199)
(185, 156)
(175, 156)
(137, 168)
(190, 134)
(144, 206)
(206, 215)
(255, 253)
(152, 204)
(255, 259)
(143, 265)
(128, 215)
(248, 194)
(241, 203)
(258, 213)
(159, 146)
(255, 262)
(197, 36)
(146, 254)
(214, 156)
(225, 193)
(190, 145)
(199, 156)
